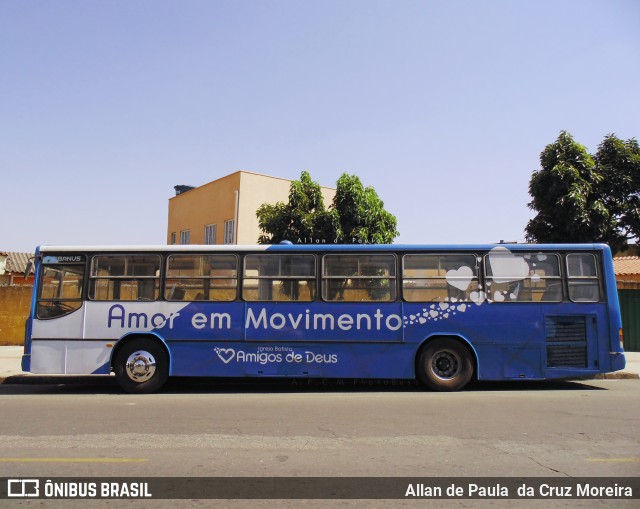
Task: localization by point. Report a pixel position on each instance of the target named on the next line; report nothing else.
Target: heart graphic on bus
(226, 355)
(460, 278)
(506, 266)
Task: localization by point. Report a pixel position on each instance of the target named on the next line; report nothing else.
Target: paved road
(355, 429)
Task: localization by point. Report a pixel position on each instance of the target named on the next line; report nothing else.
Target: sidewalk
(10, 361)
(11, 357)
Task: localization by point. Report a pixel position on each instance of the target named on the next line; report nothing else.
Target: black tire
(141, 366)
(444, 364)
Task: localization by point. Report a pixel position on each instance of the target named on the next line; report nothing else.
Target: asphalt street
(70, 426)
(213, 428)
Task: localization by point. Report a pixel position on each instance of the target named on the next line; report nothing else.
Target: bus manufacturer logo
(63, 259)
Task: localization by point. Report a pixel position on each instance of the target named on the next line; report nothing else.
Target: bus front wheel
(141, 366)
(444, 364)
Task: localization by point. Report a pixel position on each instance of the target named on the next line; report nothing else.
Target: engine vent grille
(566, 338)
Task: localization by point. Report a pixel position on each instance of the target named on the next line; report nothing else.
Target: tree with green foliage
(570, 196)
(303, 217)
(361, 214)
(619, 163)
(357, 215)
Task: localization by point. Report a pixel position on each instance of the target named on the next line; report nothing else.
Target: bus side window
(279, 277)
(582, 275)
(522, 277)
(125, 277)
(201, 277)
(359, 278)
(439, 277)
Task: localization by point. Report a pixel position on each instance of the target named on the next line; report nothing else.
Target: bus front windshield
(60, 289)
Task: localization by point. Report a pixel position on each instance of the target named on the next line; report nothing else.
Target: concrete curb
(618, 375)
(31, 379)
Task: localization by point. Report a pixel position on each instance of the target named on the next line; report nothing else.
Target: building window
(210, 232)
(173, 237)
(185, 237)
(229, 231)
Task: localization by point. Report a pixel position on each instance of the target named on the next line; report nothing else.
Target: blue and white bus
(444, 315)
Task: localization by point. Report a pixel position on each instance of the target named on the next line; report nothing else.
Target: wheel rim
(140, 366)
(446, 364)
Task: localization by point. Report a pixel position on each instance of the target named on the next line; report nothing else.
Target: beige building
(224, 211)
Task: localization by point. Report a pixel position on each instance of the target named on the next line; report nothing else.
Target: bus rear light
(621, 335)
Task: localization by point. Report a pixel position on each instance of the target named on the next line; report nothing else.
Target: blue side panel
(105, 369)
(352, 340)
(203, 321)
(503, 347)
(290, 321)
(371, 322)
(618, 361)
(313, 360)
(369, 340)
(289, 339)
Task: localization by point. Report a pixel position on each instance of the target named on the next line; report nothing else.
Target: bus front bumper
(26, 362)
(618, 361)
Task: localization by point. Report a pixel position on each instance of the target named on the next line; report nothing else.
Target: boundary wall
(14, 310)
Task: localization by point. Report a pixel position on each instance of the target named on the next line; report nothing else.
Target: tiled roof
(626, 265)
(17, 262)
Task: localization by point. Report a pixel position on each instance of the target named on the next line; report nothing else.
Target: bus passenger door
(60, 315)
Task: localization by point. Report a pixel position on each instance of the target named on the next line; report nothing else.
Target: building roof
(626, 265)
(16, 262)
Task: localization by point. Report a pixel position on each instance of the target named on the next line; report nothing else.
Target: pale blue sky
(442, 106)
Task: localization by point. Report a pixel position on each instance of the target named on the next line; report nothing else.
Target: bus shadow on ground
(83, 384)
(311, 385)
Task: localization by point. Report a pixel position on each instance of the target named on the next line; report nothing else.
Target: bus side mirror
(28, 269)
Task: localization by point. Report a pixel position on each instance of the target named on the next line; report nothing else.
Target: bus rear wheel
(141, 366)
(444, 364)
